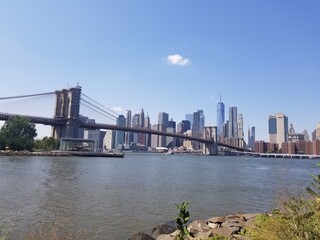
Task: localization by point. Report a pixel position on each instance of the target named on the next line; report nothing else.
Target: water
(122, 196)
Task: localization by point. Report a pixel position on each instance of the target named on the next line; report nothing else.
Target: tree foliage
(17, 133)
(46, 144)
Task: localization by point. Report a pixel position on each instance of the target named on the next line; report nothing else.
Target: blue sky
(262, 56)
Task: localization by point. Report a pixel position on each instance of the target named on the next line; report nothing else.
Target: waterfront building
(179, 128)
(109, 140)
(119, 140)
(278, 128)
(317, 137)
(196, 124)
(220, 117)
(293, 136)
(233, 122)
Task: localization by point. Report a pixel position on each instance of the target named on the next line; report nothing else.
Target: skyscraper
(128, 135)
(240, 126)
(278, 129)
(163, 119)
(233, 122)
(220, 117)
(121, 121)
(201, 121)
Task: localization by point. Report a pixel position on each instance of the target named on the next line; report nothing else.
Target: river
(123, 195)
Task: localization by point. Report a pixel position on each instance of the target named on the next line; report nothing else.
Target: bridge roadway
(62, 121)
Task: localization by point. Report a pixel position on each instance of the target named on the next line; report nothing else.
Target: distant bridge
(67, 121)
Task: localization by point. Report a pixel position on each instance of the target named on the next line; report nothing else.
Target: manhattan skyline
(175, 57)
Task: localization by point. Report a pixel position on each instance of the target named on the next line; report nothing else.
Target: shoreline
(60, 154)
(226, 227)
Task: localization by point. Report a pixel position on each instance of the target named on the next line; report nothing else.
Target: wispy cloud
(117, 109)
(177, 59)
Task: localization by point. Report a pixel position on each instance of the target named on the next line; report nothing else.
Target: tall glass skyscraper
(233, 122)
(220, 117)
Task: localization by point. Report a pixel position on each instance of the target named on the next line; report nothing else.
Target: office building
(317, 133)
(201, 121)
(233, 122)
(251, 137)
(163, 119)
(278, 129)
(240, 126)
(220, 117)
(128, 135)
(189, 117)
(119, 140)
(185, 125)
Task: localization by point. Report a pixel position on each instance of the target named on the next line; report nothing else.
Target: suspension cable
(81, 99)
(26, 96)
(112, 118)
(99, 104)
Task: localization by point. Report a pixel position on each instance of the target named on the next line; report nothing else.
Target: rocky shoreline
(229, 227)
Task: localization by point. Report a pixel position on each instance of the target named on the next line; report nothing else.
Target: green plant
(182, 220)
(315, 190)
(299, 218)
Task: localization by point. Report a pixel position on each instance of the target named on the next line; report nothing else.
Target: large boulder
(141, 236)
(162, 228)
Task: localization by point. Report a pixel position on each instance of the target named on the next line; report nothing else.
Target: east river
(123, 195)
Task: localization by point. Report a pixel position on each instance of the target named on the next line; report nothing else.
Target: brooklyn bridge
(66, 120)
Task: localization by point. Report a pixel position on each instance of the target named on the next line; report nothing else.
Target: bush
(299, 218)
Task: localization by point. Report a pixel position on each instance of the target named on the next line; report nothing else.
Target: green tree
(18, 133)
(46, 144)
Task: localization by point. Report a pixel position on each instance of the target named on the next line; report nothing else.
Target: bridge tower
(67, 107)
(210, 148)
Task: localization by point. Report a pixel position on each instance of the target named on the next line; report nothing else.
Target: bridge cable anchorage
(100, 104)
(103, 113)
(27, 96)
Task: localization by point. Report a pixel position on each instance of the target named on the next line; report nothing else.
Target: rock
(162, 228)
(216, 219)
(225, 231)
(248, 216)
(214, 225)
(203, 235)
(233, 223)
(197, 226)
(141, 236)
(171, 236)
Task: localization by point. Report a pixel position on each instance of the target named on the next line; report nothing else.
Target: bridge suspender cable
(26, 96)
(105, 112)
(112, 118)
(100, 104)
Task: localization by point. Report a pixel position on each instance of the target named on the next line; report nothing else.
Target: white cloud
(177, 59)
(117, 109)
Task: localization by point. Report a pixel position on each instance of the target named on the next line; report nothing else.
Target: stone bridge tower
(67, 108)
